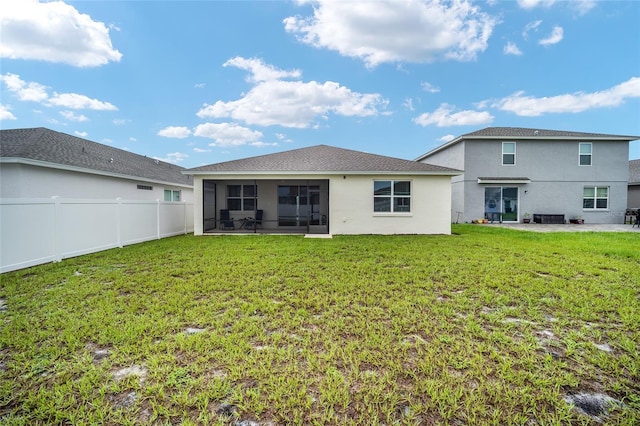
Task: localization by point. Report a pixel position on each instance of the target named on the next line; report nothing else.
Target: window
(585, 153)
(392, 196)
(171, 195)
(595, 198)
(242, 197)
(508, 153)
(145, 187)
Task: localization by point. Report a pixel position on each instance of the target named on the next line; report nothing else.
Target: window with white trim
(391, 196)
(595, 198)
(508, 153)
(586, 152)
(171, 195)
(242, 197)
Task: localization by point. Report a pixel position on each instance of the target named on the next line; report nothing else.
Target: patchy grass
(488, 326)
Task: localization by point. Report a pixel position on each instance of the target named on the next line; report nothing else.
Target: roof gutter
(253, 173)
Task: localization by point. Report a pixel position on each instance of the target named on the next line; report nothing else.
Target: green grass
(487, 326)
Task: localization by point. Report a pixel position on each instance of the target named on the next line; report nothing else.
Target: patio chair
(253, 223)
(226, 222)
(637, 222)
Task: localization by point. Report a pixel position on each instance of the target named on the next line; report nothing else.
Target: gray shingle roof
(323, 159)
(634, 172)
(41, 144)
(521, 132)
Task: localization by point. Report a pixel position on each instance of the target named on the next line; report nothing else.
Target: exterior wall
(557, 181)
(350, 203)
(453, 157)
(633, 197)
(27, 181)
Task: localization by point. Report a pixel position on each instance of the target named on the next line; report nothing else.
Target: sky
(201, 82)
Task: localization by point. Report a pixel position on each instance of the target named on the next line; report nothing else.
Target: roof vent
(111, 160)
(157, 161)
(536, 132)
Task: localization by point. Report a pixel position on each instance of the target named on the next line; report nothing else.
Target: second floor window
(585, 153)
(241, 197)
(508, 153)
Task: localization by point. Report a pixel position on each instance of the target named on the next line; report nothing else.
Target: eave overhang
(503, 180)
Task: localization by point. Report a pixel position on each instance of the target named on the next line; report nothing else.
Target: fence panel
(36, 231)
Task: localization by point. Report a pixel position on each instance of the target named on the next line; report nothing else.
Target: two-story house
(550, 175)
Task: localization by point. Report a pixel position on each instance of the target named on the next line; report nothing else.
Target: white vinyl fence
(40, 230)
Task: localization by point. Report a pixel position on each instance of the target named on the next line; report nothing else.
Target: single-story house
(323, 189)
(633, 195)
(39, 162)
(547, 176)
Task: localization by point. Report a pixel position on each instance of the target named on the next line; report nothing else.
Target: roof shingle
(323, 158)
(49, 146)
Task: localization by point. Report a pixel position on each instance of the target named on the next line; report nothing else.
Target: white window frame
(580, 154)
(243, 199)
(174, 195)
(595, 198)
(509, 153)
(392, 197)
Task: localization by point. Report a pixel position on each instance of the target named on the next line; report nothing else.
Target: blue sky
(202, 82)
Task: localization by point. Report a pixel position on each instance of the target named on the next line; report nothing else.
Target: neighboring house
(633, 195)
(551, 175)
(323, 189)
(39, 162)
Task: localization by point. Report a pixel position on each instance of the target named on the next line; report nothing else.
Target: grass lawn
(487, 326)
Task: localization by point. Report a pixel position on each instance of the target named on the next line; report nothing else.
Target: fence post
(158, 219)
(184, 215)
(57, 232)
(119, 221)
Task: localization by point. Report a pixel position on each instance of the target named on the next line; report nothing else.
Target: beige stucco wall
(351, 203)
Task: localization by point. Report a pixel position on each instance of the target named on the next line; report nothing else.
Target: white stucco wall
(28, 181)
(351, 203)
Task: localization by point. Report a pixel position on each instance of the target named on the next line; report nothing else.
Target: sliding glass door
(298, 205)
(501, 203)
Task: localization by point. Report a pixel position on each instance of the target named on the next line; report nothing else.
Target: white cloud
(5, 114)
(120, 121)
(530, 106)
(408, 104)
(444, 117)
(81, 134)
(175, 132)
(227, 134)
(199, 85)
(512, 49)
(446, 138)
(76, 101)
(554, 38)
(133, 139)
(582, 6)
(390, 31)
(200, 150)
(54, 32)
(259, 70)
(293, 103)
(263, 144)
(290, 103)
(71, 116)
(174, 157)
(531, 26)
(24, 91)
(428, 87)
(530, 4)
